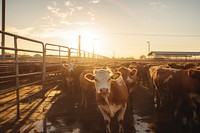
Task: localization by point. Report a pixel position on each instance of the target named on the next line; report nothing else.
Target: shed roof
(173, 53)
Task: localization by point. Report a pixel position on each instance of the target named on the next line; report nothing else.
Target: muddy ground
(65, 115)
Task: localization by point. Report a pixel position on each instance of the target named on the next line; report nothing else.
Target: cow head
(195, 74)
(132, 76)
(102, 79)
(70, 67)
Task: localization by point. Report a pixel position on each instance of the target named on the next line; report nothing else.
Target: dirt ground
(64, 115)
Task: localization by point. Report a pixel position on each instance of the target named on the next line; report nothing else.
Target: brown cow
(130, 77)
(142, 73)
(111, 95)
(195, 73)
(151, 75)
(180, 85)
(86, 86)
(68, 76)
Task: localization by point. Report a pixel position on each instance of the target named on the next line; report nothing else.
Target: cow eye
(109, 79)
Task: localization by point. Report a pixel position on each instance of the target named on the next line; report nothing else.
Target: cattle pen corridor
(54, 88)
(61, 111)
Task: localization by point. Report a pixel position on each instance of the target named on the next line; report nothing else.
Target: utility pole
(148, 42)
(93, 47)
(79, 45)
(113, 54)
(3, 27)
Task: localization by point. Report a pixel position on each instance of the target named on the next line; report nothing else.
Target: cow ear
(74, 66)
(65, 65)
(90, 77)
(195, 97)
(115, 70)
(116, 75)
(133, 71)
(191, 73)
(94, 71)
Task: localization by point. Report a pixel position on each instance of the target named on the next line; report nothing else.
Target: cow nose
(104, 90)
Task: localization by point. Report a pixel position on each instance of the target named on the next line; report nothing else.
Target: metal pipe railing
(14, 68)
(16, 85)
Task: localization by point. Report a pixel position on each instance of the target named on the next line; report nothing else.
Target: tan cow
(111, 95)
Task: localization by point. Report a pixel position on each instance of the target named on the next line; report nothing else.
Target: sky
(119, 28)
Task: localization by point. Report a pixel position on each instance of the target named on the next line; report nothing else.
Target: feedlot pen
(34, 99)
(29, 72)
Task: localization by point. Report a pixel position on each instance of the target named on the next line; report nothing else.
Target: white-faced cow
(111, 95)
(68, 77)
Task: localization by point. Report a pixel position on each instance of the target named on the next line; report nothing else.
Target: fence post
(17, 78)
(69, 55)
(43, 70)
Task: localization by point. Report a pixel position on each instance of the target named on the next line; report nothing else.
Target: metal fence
(28, 67)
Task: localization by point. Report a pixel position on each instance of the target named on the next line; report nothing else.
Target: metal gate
(28, 68)
(21, 73)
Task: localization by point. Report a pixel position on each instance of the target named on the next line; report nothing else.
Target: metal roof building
(174, 55)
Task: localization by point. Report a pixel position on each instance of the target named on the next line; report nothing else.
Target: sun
(89, 40)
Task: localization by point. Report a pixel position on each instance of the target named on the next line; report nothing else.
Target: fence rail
(28, 67)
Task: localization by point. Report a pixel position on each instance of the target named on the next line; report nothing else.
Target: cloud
(56, 11)
(20, 31)
(94, 1)
(49, 34)
(66, 23)
(82, 23)
(157, 5)
(70, 13)
(79, 8)
(76, 23)
(30, 32)
(68, 3)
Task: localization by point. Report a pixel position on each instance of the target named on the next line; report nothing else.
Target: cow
(111, 95)
(68, 76)
(86, 87)
(130, 77)
(151, 75)
(142, 73)
(182, 66)
(195, 73)
(182, 85)
(76, 74)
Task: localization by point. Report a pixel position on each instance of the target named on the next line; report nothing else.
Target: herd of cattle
(177, 85)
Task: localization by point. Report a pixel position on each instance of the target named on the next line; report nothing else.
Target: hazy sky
(122, 27)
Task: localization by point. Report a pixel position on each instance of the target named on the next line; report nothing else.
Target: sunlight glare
(89, 40)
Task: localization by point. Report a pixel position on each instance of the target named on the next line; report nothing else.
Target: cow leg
(121, 118)
(194, 107)
(155, 99)
(71, 86)
(84, 99)
(68, 84)
(179, 102)
(106, 118)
